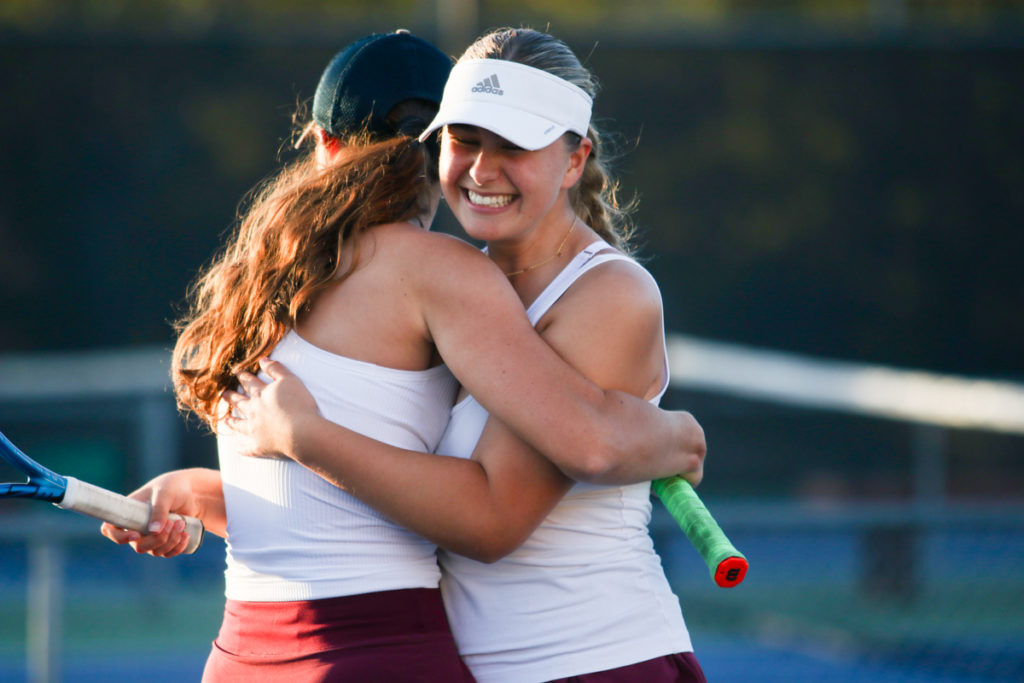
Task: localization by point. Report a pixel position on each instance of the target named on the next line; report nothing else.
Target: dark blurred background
(841, 180)
(837, 178)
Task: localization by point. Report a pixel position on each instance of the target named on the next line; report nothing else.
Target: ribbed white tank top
(293, 536)
(586, 592)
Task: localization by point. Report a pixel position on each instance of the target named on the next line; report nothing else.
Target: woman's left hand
(270, 414)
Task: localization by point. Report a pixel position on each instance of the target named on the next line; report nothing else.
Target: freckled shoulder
(609, 325)
(622, 289)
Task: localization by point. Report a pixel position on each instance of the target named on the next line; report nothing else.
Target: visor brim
(521, 128)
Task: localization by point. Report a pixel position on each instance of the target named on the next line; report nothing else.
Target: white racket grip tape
(121, 511)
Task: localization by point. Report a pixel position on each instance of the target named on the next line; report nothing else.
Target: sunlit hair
(595, 197)
(286, 249)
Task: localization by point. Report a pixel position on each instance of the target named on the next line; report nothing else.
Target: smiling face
(501, 192)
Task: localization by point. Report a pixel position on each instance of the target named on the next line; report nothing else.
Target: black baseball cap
(367, 79)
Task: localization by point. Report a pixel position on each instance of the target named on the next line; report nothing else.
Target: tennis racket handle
(121, 511)
(727, 565)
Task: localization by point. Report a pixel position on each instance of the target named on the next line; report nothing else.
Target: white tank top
(293, 536)
(586, 592)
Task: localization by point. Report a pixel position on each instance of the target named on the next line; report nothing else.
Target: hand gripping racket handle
(727, 565)
(121, 511)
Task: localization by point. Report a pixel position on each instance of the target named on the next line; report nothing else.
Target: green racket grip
(727, 565)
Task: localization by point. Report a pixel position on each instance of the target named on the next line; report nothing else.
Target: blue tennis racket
(69, 493)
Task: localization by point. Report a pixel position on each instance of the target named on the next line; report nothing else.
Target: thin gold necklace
(549, 258)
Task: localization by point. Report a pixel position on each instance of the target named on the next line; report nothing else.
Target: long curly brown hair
(286, 248)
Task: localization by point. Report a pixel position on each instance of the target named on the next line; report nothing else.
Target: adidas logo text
(489, 85)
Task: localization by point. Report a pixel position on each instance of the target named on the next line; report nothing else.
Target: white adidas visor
(528, 107)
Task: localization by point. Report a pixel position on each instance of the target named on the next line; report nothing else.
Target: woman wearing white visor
(543, 578)
(584, 598)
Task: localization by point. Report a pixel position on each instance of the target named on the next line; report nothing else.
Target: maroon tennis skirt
(677, 668)
(391, 636)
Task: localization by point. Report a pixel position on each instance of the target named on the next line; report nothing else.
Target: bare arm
(195, 492)
(484, 507)
(604, 436)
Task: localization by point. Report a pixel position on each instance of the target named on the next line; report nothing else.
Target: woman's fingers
(275, 369)
(170, 541)
(250, 383)
(160, 508)
(236, 400)
(119, 535)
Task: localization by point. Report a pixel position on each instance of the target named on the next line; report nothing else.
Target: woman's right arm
(480, 328)
(482, 508)
(194, 492)
(487, 506)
